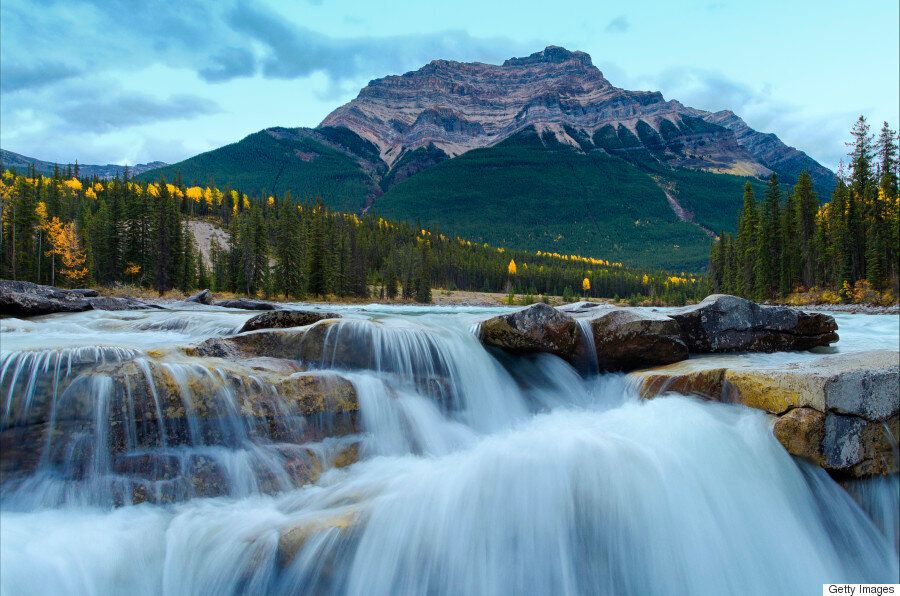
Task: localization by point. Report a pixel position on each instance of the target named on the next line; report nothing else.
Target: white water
(511, 476)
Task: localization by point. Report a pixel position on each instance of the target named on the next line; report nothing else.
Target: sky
(130, 81)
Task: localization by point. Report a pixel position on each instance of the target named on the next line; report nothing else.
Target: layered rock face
(456, 107)
(842, 412)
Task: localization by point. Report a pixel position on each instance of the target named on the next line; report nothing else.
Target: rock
(723, 323)
(26, 299)
(858, 447)
(342, 343)
(706, 383)
(839, 411)
(627, 339)
(279, 319)
(268, 343)
(110, 303)
(317, 393)
(294, 537)
(201, 297)
(245, 304)
(801, 431)
(536, 329)
(85, 293)
(863, 384)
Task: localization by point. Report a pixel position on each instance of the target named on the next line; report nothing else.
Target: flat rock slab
(839, 411)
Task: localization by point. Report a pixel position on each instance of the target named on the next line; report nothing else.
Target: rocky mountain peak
(458, 106)
(551, 55)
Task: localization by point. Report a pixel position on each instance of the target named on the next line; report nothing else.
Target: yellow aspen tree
(511, 268)
(586, 284)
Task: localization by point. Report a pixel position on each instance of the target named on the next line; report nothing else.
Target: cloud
(131, 109)
(819, 135)
(620, 24)
(16, 76)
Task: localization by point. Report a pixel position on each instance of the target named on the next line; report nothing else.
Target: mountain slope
(334, 164)
(20, 163)
(533, 192)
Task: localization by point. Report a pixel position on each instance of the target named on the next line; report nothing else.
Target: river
(513, 476)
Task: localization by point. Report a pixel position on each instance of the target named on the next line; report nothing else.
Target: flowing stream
(152, 471)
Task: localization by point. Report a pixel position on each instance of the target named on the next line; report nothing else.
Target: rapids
(479, 473)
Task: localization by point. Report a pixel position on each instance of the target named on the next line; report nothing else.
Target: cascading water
(478, 473)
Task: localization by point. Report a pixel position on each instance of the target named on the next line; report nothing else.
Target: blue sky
(126, 81)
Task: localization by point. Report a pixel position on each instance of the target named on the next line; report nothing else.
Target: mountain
(9, 159)
(540, 153)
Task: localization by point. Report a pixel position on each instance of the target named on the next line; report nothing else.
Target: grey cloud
(294, 52)
(128, 109)
(229, 64)
(620, 24)
(17, 77)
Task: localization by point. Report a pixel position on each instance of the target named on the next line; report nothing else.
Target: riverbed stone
(245, 304)
(537, 329)
(724, 323)
(201, 297)
(267, 343)
(280, 319)
(627, 339)
(27, 299)
(293, 537)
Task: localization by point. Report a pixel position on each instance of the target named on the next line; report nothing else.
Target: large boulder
(839, 411)
(626, 339)
(280, 319)
(537, 329)
(26, 299)
(723, 323)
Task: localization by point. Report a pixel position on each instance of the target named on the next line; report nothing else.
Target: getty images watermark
(858, 589)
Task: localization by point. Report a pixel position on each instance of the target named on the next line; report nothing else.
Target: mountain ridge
(11, 159)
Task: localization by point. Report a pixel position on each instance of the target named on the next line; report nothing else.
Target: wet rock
(347, 456)
(201, 297)
(245, 304)
(538, 328)
(858, 447)
(723, 323)
(295, 536)
(26, 299)
(280, 319)
(839, 411)
(706, 383)
(338, 344)
(863, 384)
(627, 339)
(270, 343)
(315, 393)
(111, 303)
(802, 431)
(148, 466)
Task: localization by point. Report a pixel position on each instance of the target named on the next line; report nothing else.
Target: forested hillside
(69, 231)
(845, 250)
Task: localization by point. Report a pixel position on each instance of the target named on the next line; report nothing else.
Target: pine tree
(746, 247)
(767, 268)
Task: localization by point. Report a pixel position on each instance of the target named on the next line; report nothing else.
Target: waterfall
(396, 455)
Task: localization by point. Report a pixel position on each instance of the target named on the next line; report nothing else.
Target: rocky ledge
(841, 412)
(26, 299)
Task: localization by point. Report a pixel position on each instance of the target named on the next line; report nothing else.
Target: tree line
(845, 249)
(68, 230)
